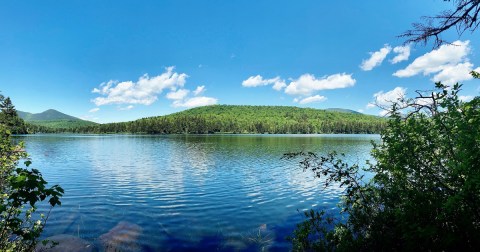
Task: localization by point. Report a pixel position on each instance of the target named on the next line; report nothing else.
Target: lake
(185, 192)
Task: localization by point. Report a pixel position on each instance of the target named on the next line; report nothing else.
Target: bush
(425, 192)
(21, 189)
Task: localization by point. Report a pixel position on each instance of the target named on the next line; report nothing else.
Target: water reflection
(227, 192)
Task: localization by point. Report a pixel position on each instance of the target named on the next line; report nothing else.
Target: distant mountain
(48, 115)
(54, 119)
(342, 110)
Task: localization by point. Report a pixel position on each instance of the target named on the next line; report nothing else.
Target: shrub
(21, 190)
(425, 192)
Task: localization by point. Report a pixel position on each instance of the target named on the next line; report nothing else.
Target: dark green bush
(425, 192)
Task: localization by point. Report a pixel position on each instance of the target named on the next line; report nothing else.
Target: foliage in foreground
(425, 194)
(21, 189)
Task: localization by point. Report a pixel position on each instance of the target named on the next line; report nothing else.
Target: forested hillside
(246, 119)
(52, 119)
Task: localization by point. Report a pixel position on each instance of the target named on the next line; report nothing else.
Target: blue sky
(112, 61)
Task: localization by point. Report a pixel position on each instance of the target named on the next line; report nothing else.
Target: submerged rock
(65, 243)
(122, 237)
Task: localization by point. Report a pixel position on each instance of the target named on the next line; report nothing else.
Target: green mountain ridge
(53, 119)
(221, 119)
(47, 115)
(248, 119)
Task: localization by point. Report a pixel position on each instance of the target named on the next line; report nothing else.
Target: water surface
(184, 192)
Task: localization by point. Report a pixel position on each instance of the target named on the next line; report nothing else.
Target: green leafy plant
(21, 190)
(425, 191)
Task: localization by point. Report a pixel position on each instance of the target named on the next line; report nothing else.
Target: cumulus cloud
(93, 110)
(385, 99)
(448, 64)
(307, 84)
(178, 95)
(147, 89)
(181, 98)
(305, 87)
(451, 74)
(315, 98)
(403, 53)
(143, 91)
(424, 101)
(196, 101)
(376, 58)
(255, 81)
(279, 85)
(199, 90)
(436, 60)
(258, 80)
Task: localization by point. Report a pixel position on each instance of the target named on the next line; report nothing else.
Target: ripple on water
(208, 192)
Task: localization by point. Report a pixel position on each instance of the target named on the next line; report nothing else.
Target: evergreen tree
(10, 118)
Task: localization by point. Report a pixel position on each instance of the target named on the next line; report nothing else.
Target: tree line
(240, 120)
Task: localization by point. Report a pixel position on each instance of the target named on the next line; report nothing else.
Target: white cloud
(199, 90)
(181, 98)
(452, 74)
(315, 98)
(466, 98)
(424, 101)
(403, 53)
(129, 107)
(376, 58)
(305, 87)
(93, 110)
(256, 81)
(178, 95)
(386, 99)
(196, 101)
(437, 60)
(307, 83)
(144, 91)
(279, 85)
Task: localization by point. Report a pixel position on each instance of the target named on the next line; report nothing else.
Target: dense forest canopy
(242, 119)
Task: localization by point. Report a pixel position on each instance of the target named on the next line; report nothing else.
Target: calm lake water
(174, 193)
